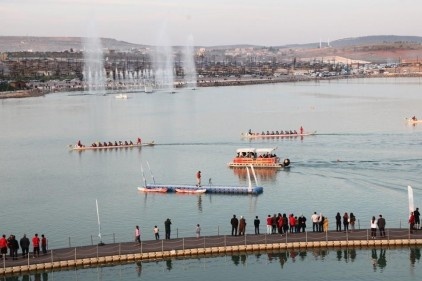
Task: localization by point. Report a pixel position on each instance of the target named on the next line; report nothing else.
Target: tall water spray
(164, 63)
(189, 64)
(93, 72)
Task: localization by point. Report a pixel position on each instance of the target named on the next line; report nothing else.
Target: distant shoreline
(221, 82)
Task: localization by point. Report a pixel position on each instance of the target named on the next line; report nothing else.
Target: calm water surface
(361, 161)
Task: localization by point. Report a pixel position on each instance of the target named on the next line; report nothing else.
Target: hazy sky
(212, 22)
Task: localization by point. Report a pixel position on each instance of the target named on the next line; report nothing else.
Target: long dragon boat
(277, 134)
(109, 146)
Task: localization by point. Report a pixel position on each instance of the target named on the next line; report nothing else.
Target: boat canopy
(265, 150)
(256, 150)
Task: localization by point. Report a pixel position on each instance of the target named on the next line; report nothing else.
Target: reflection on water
(378, 261)
(200, 203)
(263, 175)
(415, 255)
(139, 268)
(307, 261)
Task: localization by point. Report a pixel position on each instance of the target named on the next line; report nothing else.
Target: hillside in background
(56, 44)
(50, 44)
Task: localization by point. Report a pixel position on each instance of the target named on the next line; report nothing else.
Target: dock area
(152, 250)
(222, 189)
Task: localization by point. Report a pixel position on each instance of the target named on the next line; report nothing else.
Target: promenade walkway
(191, 246)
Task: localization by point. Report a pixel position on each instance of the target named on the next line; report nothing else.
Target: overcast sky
(212, 22)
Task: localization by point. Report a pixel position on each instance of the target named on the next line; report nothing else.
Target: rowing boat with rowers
(277, 134)
(105, 146)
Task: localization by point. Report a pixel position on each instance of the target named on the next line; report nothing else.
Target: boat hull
(273, 162)
(151, 189)
(190, 191)
(256, 165)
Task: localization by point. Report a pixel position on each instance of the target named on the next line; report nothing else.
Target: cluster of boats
(245, 158)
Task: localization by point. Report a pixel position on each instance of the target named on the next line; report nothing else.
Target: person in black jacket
(24, 242)
(13, 245)
(167, 228)
(234, 222)
(256, 224)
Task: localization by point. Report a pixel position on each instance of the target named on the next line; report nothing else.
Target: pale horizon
(211, 23)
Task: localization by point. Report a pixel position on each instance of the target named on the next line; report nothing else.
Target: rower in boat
(414, 118)
(80, 144)
(130, 143)
(110, 143)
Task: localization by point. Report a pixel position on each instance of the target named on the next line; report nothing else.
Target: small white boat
(148, 89)
(153, 189)
(121, 96)
(190, 191)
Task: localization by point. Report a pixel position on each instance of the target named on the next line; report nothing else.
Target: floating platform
(208, 188)
(222, 189)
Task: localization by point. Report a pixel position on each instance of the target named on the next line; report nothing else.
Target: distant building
(3, 56)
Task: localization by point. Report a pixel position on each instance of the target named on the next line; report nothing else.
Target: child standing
(198, 231)
(156, 233)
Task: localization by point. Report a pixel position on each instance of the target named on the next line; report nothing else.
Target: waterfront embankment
(21, 94)
(214, 82)
(153, 250)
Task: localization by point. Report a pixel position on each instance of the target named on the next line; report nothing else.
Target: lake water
(362, 159)
(320, 264)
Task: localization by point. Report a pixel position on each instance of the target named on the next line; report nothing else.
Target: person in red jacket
(36, 245)
(3, 246)
(411, 222)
